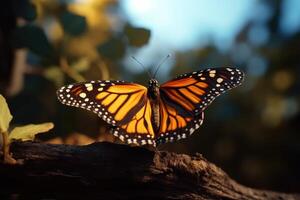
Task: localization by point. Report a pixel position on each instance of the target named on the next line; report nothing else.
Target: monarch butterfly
(153, 115)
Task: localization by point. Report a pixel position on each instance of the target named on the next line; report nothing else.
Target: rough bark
(112, 171)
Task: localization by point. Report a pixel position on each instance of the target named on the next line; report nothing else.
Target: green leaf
(25, 9)
(137, 37)
(113, 49)
(5, 116)
(73, 24)
(33, 38)
(28, 132)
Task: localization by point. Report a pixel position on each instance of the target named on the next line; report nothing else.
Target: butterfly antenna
(143, 66)
(160, 64)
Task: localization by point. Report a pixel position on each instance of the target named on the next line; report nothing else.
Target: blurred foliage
(23, 133)
(252, 132)
(33, 38)
(24, 9)
(112, 49)
(73, 24)
(137, 36)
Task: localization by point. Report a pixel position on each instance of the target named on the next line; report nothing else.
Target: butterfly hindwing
(121, 104)
(184, 99)
(175, 126)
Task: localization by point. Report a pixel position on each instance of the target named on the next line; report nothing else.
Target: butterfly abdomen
(155, 115)
(153, 94)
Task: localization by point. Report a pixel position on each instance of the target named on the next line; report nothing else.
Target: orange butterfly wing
(121, 104)
(127, 107)
(184, 99)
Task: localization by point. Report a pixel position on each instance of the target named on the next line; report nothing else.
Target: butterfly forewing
(119, 103)
(193, 92)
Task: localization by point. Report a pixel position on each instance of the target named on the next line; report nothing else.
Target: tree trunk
(112, 171)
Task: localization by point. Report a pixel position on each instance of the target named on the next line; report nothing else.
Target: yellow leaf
(28, 132)
(5, 116)
(55, 74)
(81, 65)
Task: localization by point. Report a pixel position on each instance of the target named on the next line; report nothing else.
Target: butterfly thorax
(153, 94)
(153, 89)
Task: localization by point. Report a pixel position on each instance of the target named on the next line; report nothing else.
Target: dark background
(252, 132)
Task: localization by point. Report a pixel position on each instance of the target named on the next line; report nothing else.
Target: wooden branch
(112, 171)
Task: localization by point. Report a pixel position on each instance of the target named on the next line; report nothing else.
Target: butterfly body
(155, 114)
(153, 95)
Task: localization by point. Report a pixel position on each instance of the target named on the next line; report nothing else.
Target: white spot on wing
(219, 80)
(89, 86)
(82, 95)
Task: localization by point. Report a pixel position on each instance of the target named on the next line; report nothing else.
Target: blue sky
(290, 22)
(187, 24)
(178, 25)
